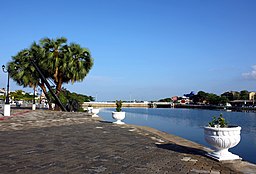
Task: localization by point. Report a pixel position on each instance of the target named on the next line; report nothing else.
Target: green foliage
(18, 95)
(165, 100)
(219, 122)
(20, 68)
(228, 95)
(213, 99)
(234, 95)
(223, 100)
(119, 105)
(200, 97)
(244, 95)
(66, 62)
(72, 100)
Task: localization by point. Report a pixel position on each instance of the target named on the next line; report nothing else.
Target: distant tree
(201, 95)
(209, 98)
(236, 95)
(228, 95)
(165, 100)
(213, 99)
(195, 99)
(232, 95)
(223, 100)
(2, 97)
(90, 99)
(244, 95)
(16, 95)
(28, 97)
(19, 95)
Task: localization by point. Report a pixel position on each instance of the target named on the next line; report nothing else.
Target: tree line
(59, 61)
(213, 99)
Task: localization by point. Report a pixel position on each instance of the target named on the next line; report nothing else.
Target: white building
(2, 92)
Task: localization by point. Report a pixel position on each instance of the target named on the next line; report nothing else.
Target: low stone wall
(113, 105)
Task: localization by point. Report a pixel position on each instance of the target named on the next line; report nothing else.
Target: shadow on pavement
(106, 122)
(182, 149)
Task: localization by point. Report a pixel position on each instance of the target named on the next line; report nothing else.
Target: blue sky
(143, 49)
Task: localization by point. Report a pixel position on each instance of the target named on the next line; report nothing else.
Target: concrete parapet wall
(113, 105)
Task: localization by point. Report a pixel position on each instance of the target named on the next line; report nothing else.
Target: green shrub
(219, 122)
(119, 105)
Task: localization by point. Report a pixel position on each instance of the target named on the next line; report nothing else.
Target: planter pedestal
(119, 122)
(222, 155)
(118, 116)
(222, 139)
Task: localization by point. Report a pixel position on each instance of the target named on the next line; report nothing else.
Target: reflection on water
(189, 123)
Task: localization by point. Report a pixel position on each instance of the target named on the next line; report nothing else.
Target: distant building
(184, 100)
(174, 98)
(241, 103)
(192, 93)
(252, 95)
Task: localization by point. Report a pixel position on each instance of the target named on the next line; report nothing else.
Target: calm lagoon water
(189, 123)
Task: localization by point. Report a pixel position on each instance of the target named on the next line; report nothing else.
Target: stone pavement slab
(63, 142)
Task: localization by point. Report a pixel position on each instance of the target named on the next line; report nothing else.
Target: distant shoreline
(168, 105)
(214, 107)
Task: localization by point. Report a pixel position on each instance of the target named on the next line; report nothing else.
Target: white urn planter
(95, 112)
(222, 139)
(89, 109)
(118, 116)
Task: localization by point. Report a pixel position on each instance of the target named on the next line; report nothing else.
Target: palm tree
(79, 63)
(54, 52)
(23, 72)
(66, 63)
(57, 60)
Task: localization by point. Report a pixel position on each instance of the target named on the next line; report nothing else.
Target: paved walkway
(61, 142)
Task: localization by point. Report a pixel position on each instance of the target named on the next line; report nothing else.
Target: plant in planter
(118, 115)
(220, 122)
(222, 137)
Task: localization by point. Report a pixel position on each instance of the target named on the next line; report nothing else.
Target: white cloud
(250, 75)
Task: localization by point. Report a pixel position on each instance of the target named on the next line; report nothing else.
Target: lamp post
(7, 107)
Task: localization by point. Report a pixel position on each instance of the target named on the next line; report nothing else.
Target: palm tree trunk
(58, 89)
(56, 75)
(59, 85)
(56, 55)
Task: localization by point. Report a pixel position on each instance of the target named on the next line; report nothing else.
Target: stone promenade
(48, 142)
